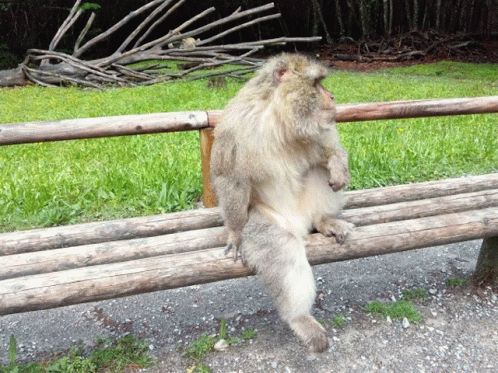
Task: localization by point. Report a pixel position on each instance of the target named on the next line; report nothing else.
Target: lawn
(85, 180)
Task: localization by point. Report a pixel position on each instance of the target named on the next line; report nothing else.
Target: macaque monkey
(186, 43)
(277, 169)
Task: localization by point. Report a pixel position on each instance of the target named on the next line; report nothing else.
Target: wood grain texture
(71, 129)
(389, 200)
(176, 270)
(45, 261)
(206, 143)
(105, 231)
(22, 133)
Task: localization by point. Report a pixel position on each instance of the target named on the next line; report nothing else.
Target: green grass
(111, 356)
(338, 321)
(199, 349)
(248, 334)
(456, 282)
(418, 293)
(97, 179)
(396, 310)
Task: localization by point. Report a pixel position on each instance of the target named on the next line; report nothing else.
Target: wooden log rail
(59, 266)
(23, 133)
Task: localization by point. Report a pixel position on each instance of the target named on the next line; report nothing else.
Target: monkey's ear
(281, 70)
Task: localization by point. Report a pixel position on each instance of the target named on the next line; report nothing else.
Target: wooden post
(206, 139)
(487, 264)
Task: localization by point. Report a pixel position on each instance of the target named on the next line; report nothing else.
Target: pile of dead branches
(53, 68)
(410, 46)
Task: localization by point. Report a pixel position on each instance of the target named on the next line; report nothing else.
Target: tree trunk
(13, 77)
(339, 18)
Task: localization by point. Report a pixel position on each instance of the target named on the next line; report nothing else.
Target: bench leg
(487, 263)
(206, 139)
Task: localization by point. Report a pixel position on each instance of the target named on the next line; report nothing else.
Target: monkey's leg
(233, 196)
(279, 259)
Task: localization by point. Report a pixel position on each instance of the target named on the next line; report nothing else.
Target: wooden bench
(65, 265)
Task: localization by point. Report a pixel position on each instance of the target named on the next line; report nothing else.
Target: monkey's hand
(339, 171)
(339, 181)
(234, 243)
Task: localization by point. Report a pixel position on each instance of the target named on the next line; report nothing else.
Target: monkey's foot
(335, 227)
(310, 332)
(237, 252)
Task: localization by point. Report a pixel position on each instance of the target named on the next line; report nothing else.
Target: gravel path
(459, 331)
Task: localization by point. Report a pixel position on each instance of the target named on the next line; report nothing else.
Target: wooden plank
(200, 239)
(206, 143)
(20, 133)
(422, 208)
(71, 129)
(110, 252)
(404, 109)
(89, 233)
(122, 229)
(171, 271)
(416, 108)
(430, 189)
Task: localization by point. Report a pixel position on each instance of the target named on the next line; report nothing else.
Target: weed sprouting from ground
(338, 321)
(109, 355)
(456, 282)
(396, 310)
(418, 293)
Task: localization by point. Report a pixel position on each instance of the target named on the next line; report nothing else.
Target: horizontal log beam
(414, 191)
(72, 129)
(416, 108)
(110, 252)
(114, 230)
(123, 229)
(404, 109)
(46, 261)
(170, 271)
(22, 133)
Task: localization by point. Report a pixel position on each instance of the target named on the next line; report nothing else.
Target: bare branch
(171, 10)
(142, 25)
(230, 18)
(28, 71)
(79, 64)
(247, 24)
(117, 68)
(84, 32)
(118, 25)
(134, 74)
(60, 77)
(163, 40)
(226, 59)
(68, 22)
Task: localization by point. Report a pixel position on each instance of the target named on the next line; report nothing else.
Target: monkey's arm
(234, 198)
(335, 159)
(337, 165)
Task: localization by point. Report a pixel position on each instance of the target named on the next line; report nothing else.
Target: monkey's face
(306, 99)
(327, 105)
